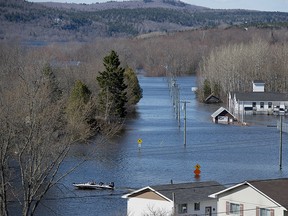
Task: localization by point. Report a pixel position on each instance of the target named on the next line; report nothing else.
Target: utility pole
(242, 116)
(174, 203)
(178, 104)
(281, 144)
(184, 107)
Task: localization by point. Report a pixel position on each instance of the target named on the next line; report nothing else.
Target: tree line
(233, 67)
(41, 118)
(178, 53)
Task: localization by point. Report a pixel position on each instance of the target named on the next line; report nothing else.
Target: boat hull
(93, 186)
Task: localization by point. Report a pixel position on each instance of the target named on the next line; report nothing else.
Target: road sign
(197, 170)
(139, 143)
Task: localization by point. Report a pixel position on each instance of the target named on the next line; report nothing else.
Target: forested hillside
(72, 22)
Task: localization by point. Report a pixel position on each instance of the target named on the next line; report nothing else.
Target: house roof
(220, 111)
(274, 189)
(258, 81)
(184, 192)
(261, 96)
(212, 99)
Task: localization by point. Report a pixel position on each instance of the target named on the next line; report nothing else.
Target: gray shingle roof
(188, 192)
(261, 96)
(221, 110)
(276, 189)
(258, 81)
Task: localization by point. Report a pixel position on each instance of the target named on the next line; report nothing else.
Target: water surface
(226, 153)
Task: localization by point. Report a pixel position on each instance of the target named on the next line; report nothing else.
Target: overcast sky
(262, 5)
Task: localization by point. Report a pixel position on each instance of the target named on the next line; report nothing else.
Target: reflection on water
(226, 153)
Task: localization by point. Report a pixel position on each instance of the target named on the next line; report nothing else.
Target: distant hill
(83, 22)
(168, 4)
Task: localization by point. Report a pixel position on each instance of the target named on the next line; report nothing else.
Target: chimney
(258, 86)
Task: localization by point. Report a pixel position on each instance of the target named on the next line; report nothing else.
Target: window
(265, 212)
(254, 104)
(182, 208)
(197, 206)
(234, 209)
(269, 105)
(262, 105)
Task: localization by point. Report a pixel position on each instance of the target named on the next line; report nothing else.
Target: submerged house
(223, 116)
(258, 101)
(212, 99)
(174, 199)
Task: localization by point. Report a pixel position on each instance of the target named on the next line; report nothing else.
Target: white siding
(258, 87)
(142, 206)
(251, 199)
(203, 205)
(239, 107)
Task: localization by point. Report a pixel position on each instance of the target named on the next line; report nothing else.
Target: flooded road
(227, 154)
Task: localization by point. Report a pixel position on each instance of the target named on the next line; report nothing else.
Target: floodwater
(228, 154)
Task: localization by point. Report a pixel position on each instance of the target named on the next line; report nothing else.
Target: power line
(127, 189)
(209, 148)
(199, 144)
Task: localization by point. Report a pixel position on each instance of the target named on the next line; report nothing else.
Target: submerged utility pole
(179, 107)
(184, 107)
(177, 104)
(281, 144)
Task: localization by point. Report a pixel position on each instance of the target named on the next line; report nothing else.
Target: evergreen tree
(207, 88)
(52, 83)
(112, 95)
(134, 91)
(79, 110)
(80, 94)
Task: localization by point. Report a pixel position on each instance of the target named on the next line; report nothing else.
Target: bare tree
(234, 67)
(157, 211)
(5, 136)
(33, 137)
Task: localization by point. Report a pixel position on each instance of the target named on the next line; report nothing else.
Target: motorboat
(94, 185)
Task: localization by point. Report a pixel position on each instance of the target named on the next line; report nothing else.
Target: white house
(223, 116)
(254, 198)
(174, 199)
(250, 198)
(257, 102)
